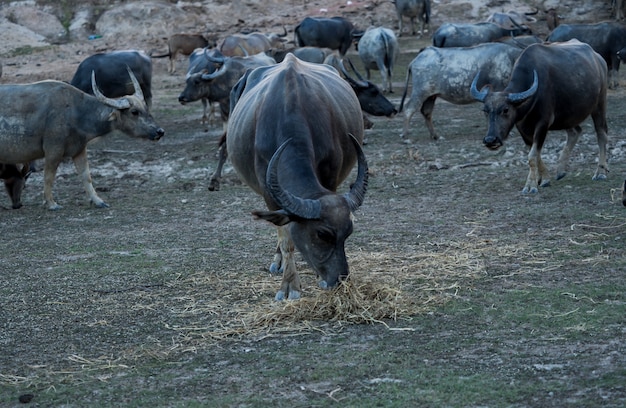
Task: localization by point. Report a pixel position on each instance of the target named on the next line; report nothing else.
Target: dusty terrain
(491, 297)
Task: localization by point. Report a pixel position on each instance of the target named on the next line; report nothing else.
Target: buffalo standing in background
(540, 98)
(378, 49)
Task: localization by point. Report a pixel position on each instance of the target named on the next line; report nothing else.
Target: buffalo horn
(347, 75)
(121, 103)
(522, 96)
(136, 86)
(476, 94)
(215, 60)
(305, 208)
(356, 195)
(213, 75)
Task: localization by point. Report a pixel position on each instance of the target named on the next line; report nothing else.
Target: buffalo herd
(296, 157)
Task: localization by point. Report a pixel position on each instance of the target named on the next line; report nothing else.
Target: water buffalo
(512, 19)
(296, 158)
(207, 61)
(605, 38)
(244, 45)
(413, 9)
(111, 71)
(183, 44)
(54, 120)
(468, 34)
(335, 33)
(447, 73)
(14, 181)
(540, 98)
(378, 49)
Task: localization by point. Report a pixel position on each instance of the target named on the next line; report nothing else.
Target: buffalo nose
(160, 132)
(182, 99)
(492, 142)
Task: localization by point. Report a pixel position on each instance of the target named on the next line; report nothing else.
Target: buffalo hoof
(275, 269)
(560, 175)
(293, 295)
(599, 177)
(101, 204)
(214, 185)
(530, 190)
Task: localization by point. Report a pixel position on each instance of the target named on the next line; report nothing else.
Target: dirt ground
(165, 296)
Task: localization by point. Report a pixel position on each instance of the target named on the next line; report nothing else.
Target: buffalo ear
(278, 218)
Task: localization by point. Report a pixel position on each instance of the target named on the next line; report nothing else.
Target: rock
(38, 21)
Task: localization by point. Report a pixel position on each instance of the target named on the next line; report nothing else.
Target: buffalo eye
(134, 112)
(326, 235)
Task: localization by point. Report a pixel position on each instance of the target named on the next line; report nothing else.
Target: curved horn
(356, 195)
(133, 78)
(305, 208)
(532, 13)
(215, 60)
(349, 78)
(284, 34)
(121, 103)
(522, 96)
(355, 71)
(476, 94)
(215, 74)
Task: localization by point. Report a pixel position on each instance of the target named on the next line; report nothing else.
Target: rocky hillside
(62, 29)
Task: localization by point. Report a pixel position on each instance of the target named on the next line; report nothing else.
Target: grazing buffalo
(112, 74)
(447, 73)
(54, 120)
(467, 34)
(243, 45)
(378, 49)
(14, 181)
(335, 33)
(296, 157)
(605, 38)
(413, 9)
(540, 98)
(183, 44)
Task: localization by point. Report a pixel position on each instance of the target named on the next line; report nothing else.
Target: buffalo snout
(158, 134)
(492, 143)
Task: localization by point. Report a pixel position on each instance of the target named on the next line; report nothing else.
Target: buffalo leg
(49, 173)
(82, 169)
(600, 125)
(214, 182)
(572, 139)
(534, 160)
(427, 111)
(290, 286)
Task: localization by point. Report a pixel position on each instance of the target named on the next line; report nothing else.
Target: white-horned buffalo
(413, 9)
(111, 71)
(335, 33)
(468, 34)
(540, 98)
(54, 120)
(447, 73)
(378, 49)
(296, 158)
(14, 181)
(605, 38)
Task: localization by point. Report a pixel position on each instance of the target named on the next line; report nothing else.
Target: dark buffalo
(413, 9)
(552, 19)
(207, 61)
(447, 73)
(335, 33)
(540, 97)
(216, 87)
(112, 74)
(244, 45)
(296, 157)
(378, 49)
(54, 120)
(467, 34)
(605, 38)
(14, 180)
(183, 44)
